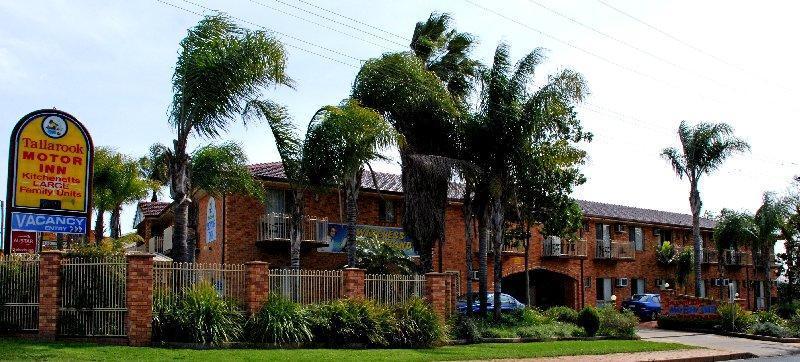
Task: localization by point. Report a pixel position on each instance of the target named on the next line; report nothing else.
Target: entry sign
(49, 174)
(23, 242)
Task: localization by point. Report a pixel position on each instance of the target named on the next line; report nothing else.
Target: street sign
(49, 175)
(48, 223)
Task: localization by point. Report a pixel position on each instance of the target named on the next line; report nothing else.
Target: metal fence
(19, 293)
(93, 294)
(306, 286)
(172, 279)
(393, 288)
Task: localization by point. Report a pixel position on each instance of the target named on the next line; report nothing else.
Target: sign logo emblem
(54, 126)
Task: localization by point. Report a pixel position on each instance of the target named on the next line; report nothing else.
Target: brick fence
(440, 292)
(673, 304)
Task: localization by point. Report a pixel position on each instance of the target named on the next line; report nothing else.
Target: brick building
(615, 254)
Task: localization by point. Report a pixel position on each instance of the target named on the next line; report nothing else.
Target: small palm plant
(665, 253)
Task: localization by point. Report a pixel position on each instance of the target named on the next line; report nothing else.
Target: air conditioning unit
(474, 275)
(725, 282)
(659, 283)
(717, 282)
(620, 228)
(622, 282)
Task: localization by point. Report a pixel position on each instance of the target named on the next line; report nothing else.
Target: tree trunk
(789, 267)
(351, 195)
(179, 190)
(296, 226)
(468, 237)
(99, 225)
(497, 243)
(696, 205)
(483, 259)
(115, 222)
(527, 265)
(767, 278)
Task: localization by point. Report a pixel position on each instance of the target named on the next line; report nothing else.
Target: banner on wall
(49, 175)
(211, 220)
(392, 236)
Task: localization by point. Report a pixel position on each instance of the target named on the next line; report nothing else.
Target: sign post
(49, 178)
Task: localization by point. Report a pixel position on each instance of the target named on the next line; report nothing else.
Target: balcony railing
(158, 244)
(614, 250)
(517, 248)
(758, 259)
(736, 258)
(710, 256)
(558, 248)
(277, 227)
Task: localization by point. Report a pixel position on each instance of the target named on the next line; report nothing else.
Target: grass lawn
(62, 351)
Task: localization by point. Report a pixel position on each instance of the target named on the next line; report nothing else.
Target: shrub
(769, 329)
(788, 309)
(166, 318)
(617, 324)
(589, 320)
(279, 321)
(734, 318)
(550, 330)
(465, 328)
(767, 316)
(416, 324)
(207, 318)
(794, 323)
(352, 322)
(562, 314)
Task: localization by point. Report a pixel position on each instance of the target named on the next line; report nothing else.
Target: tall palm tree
(346, 138)
(155, 167)
(510, 125)
(733, 229)
(221, 72)
(768, 221)
(128, 186)
(704, 148)
(105, 174)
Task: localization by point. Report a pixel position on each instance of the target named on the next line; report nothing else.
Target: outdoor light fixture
(613, 298)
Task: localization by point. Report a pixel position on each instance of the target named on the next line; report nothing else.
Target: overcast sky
(110, 63)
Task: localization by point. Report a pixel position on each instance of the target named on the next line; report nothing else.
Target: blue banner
(25, 221)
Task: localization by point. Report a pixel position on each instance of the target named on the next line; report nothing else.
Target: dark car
(507, 303)
(645, 306)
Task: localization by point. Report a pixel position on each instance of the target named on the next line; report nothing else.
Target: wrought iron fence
(19, 292)
(93, 295)
(171, 279)
(393, 288)
(306, 286)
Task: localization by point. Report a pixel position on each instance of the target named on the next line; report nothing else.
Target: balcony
(736, 258)
(276, 228)
(157, 244)
(615, 250)
(557, 248)
(710, 257)
(759, 260)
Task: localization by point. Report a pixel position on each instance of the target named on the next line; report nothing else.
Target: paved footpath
(722, 343)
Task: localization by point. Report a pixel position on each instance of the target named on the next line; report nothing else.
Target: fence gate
(19, 293)
(93, 297)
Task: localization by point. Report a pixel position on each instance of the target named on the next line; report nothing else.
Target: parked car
(645, 306)
(507, 303)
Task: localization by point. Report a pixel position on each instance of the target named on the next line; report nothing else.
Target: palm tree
(733, 229)
(221, 72)
(768, 222)
(510, 127)
(346, 138)
(155, 167)
(704, 148)
(104, 177)
(127, 186)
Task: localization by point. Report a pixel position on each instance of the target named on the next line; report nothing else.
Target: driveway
(722, 343)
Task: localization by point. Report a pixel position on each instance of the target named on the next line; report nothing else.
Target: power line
(687, 44)
(629, 45)
(355, 20)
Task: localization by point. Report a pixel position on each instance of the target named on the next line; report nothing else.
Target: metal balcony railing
(710, 256)
(558, 248)
(158, 244)
(614, 250)
(736, 258)
(277, 227)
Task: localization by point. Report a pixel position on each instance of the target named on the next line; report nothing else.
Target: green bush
(207, 318)
(416, 324)
(279, 321)
(734, 318)
(767, 316)
(788, 309)
(463, 327)
(794, 323)
(769, 329)
(166, 318)
(562, 314)
(589, 320)
(550, 330)
(614, 323)
(352, 322)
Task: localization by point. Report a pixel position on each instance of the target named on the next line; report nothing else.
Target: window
(637, 286)
(636, 236)
(278, 201)
(603, 291)
(588, 282)
(386, 210)
(664, 235)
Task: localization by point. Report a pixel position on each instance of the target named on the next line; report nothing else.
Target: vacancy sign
(49, 175)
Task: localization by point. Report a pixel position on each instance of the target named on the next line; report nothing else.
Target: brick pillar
(49, 292)
(256, 284)
(353, 283)
(667, 300)
(139, 299)
(436, 292)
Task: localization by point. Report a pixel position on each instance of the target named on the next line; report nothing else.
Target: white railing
(277, 227)
(157, 243)
(19, 292)
(615, 250)
(736, 258)
(557, 247)
(306, 286)
(171, 279)
(393, 288)
(710, 256)
(93, 292)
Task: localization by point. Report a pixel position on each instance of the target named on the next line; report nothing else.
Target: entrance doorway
(547, 288)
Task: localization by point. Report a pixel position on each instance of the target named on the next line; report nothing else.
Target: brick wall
(139, 299)
(49, 293)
